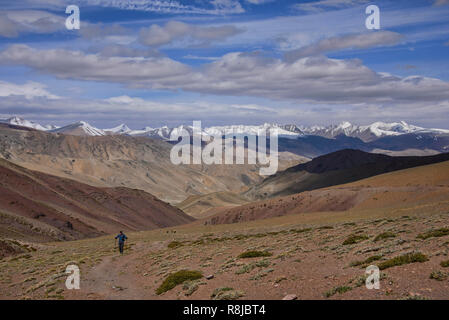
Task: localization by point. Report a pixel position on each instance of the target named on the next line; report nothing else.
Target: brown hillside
(38, 207)
(334, 169)
(120, 161)
(405, 188)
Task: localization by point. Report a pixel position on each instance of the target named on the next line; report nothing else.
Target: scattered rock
(118, 288)
(209, 277)
(290, 297)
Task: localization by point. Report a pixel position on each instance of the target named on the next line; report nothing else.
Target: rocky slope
(39, 207)
(120, 160)
(414, 187)
(333, 169)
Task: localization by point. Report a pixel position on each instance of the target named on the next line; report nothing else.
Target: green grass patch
(251, 266)
(354, 238)
(175, 244)
(434, 233)
(339, 290)
(438, 275)
(366, 261)
(403, 259)
(444, 264)
(384, 235)
(255, 254)
(177, 278)
(226, 293)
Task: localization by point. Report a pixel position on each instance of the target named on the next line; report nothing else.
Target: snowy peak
(369, 132)
(17, 121)
(380, 129)
(120, 129)
(366, 132)
(80, 128)
(286, 130)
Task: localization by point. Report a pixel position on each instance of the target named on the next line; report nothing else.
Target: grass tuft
(434, 233)
(226, 293)
(339, 290)
(384, 235)
(255, 254)
(403, 259)
(174, 244)
(354, 238)
(366, 261)
(438, 275)
(177, 278)
(444, 264)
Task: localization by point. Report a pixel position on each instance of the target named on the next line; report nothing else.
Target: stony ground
(308, 260)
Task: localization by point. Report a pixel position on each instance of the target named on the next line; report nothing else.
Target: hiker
(121, 241)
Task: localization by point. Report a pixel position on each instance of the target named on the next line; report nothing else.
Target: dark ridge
(336, 168)
(352, 158)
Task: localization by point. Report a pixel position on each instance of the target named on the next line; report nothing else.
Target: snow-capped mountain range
(369, 132)
(17, 121)
(366, 132)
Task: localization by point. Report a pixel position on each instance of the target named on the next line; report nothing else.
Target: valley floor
(308, 259)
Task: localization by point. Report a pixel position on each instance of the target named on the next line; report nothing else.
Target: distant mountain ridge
(411, 190)
(396, 138)
(366, 133)
(335, 168)
(370, 132)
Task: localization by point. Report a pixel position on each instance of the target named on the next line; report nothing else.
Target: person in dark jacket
(121, 241)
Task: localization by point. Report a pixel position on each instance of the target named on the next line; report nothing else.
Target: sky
(170, 62)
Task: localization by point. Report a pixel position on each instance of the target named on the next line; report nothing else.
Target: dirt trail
(117, 277)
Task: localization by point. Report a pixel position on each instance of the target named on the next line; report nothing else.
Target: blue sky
(150, 63)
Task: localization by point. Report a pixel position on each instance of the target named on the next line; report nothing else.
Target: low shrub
(354, 238)
(438, 275)
(366, 261)
(444, 264)
(175, 244)
(384, 235)
(177, 278)
(255, 254)
(226, 293)
(339, 290)
(403, 259)
(434, 233)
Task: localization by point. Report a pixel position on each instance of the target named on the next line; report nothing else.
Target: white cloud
(227, 6)
(215, 7)
(306, 80)
(29, 90)
(192, 57)
(138, 112)
(14, 22)
(209, 7)
(322, 5)
(259, 1)
(355, 41)
(117, 50)
(92, 31)
(156, 35)
(66, 64)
